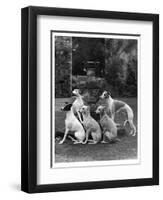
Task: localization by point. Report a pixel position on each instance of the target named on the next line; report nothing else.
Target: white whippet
(72, 124)
(91, 126)
(114, 106)
(78, 103)
(108, 125)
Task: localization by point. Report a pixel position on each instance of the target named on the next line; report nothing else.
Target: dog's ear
(67, 107)
(88, 108)
(105, 93)
(109, 93)
(104, 108)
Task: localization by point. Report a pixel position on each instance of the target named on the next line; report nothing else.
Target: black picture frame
(29, 98)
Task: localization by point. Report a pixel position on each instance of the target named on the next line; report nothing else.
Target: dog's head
(100, 109)
(67, 107)
(85, 109)
(76, 92)
(105, 95)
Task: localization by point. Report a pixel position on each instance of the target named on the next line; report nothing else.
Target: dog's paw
(92, 142)
(58, 138)
(131, 133)
(76, 142)
(104, 142)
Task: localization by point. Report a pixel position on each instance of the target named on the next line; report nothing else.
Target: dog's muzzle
(80, 110)
(73, 94)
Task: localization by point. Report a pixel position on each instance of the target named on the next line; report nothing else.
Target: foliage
(117, 66)
(121, 66)
(63, 54)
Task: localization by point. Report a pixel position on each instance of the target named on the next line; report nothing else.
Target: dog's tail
(72, 138)
(115, 140)
(125, 122)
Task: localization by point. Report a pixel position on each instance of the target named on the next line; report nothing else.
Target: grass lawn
(68, 152)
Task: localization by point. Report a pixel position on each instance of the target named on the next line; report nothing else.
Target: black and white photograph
(90, 99)
(94, 88)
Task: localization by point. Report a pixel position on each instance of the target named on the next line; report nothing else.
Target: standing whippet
(114, 106)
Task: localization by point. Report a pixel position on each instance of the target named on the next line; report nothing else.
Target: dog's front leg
(112, 115)
(112, 111)
(79, 116)
(64, 137)
(87, 136)
(103, 138)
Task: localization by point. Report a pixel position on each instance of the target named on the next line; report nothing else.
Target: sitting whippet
(108, 125)
(114, 106)
(91, 126)
(78, 103)
(73, 124)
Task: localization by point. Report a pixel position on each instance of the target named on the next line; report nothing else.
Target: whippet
(72, 124)
(78, 103)
(108, 125)
(91, 126)
(114, 106)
